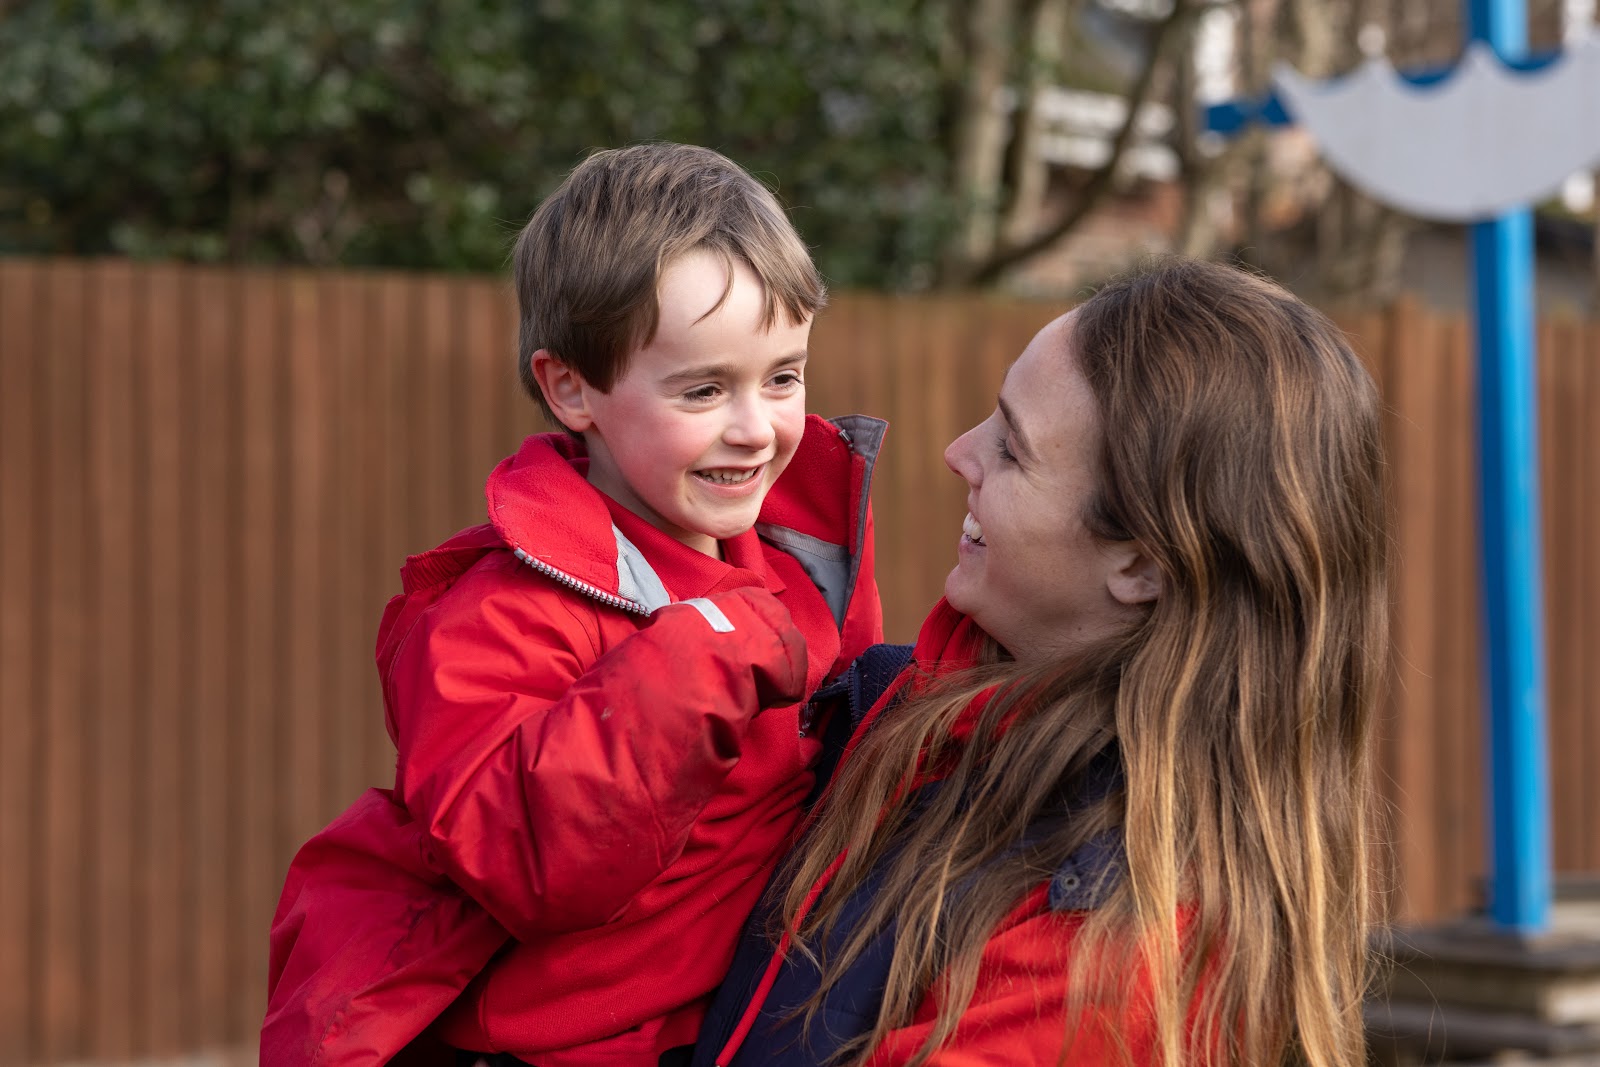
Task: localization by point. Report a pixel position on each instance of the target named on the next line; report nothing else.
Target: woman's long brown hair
(1242, 452)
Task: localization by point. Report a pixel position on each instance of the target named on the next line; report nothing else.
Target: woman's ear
(1135, 578)
(564, 390)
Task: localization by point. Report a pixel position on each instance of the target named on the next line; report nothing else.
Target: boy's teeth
(970, 527)
(728, 475)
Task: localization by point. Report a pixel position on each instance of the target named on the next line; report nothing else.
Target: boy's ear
(564, 390)
(1134, 578)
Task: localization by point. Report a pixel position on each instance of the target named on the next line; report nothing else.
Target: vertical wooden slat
(880, 396)
(64, 790)
(996, 353)
(1455, 584)
(211, 612)
(468, 410)
(1450, 795)
(1413, 390)
(305, 710)
(1470, 626)
(347, 357)
(911, 358)
(165, 857)
(520, 410)
(836, 365)
(392, 426)
(258, 570)
(472, 397)
(942, 492)
(113, 706)
(434, 442)
(517, 414)
(21, 648)
(1588, 581)
(1560, 394)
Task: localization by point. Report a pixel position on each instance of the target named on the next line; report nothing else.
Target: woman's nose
(958, 457)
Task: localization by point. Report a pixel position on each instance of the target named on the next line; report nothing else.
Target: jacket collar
(542, 506)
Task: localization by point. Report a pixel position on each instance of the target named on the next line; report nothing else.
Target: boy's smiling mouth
(729, 475)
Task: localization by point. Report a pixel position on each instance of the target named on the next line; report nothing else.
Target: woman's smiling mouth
(971, 530)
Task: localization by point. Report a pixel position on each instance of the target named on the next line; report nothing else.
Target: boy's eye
(702, 394)
(788, 379)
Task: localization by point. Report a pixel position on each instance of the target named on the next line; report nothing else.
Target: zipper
(610, 600)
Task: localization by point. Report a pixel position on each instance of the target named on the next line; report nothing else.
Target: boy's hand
(751, 618)
(553, 801)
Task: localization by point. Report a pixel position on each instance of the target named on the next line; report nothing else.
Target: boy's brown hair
(588, 263)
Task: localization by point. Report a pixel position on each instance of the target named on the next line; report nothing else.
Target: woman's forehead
(1048, 358)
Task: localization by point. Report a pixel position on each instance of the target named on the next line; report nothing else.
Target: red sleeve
(1018, 1012)
(553, 796)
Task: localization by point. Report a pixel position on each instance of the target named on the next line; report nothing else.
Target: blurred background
(256, 345)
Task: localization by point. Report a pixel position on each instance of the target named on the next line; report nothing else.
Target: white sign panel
(1484, 140)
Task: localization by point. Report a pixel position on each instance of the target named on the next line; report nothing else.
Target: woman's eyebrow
(1016, 427)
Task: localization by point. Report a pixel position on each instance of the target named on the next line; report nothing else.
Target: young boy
(594, 697)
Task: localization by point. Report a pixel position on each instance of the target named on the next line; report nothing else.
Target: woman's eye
(1005, 453)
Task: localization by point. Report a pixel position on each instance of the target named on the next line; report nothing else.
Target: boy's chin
(725, 531)
(726, 527)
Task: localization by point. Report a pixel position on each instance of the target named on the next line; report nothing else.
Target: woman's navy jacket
(780, 1037)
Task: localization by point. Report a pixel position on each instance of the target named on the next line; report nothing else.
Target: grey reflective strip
(825, 563)
(795, 541)
(865, 435)
(636, 579)
(713, 614)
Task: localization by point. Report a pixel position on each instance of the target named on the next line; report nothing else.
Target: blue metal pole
(1513, 575)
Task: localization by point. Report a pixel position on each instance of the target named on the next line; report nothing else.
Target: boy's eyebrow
(1016, 427)
(726, 370)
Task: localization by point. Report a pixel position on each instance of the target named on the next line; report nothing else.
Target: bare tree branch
(1103, 179)
(1047, 26)
(981, 132)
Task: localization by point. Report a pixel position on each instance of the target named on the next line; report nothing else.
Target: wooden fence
(209, 478)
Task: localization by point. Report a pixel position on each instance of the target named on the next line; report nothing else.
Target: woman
(1116, 810)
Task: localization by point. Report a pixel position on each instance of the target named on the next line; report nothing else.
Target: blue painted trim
(1513, 572)
(1232, 116)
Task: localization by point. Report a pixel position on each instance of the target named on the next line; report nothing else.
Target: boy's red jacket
(588, 793)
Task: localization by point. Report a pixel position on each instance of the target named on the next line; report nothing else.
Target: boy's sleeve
(553, 796)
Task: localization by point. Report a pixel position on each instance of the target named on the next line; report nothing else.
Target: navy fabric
(781, 1037)
(673, 1057)
(842, 704)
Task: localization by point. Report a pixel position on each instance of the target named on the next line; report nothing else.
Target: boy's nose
(750, 425)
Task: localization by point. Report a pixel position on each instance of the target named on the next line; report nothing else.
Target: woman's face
(1029, 572)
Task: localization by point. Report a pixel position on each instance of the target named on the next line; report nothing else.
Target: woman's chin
(958, 589)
